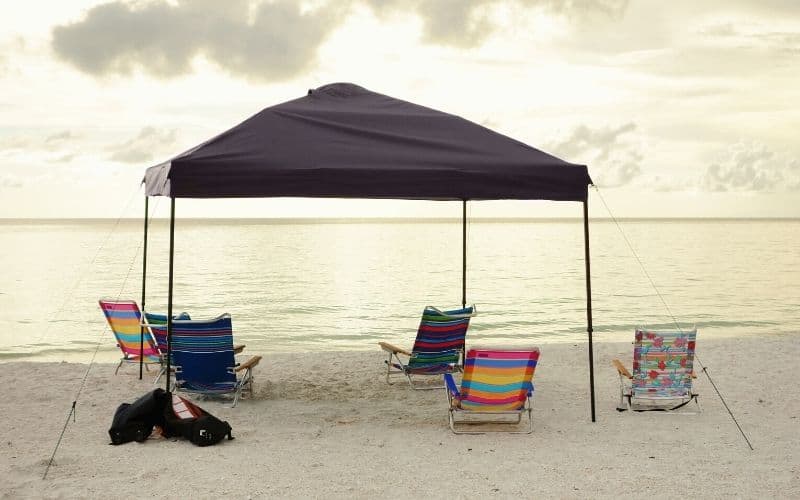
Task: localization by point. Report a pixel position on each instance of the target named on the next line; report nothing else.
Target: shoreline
(111, 355)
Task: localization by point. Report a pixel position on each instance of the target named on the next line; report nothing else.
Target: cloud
(467, 23)
(752, 167)
(10, 181)
(615, 160)
(266, 41)
(60, 141)
(753, 36)
(144, 146)
(11, 144)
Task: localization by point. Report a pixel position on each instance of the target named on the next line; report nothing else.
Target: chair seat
(435, 369)
(214, 387)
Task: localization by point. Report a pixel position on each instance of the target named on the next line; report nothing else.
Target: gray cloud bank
(262, 41)
(144, 146)
(752, 167)
(266, 41)
(613, 159)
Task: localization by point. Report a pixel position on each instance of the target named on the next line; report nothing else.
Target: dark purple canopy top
(343, 141)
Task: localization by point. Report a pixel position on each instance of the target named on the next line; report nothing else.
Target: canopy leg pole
(464, 254)
(169, 286)
(588, 300)
(144, 285)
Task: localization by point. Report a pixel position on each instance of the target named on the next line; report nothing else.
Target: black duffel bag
(135, 421)
(185, 419)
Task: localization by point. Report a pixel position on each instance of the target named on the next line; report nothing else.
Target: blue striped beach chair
(438, 348)
(158, 326)
(497, 382)
(205, 363)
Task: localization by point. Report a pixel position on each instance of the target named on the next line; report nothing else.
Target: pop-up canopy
(343, 141)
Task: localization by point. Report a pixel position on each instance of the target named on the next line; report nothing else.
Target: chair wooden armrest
(238, 348)
(621, 368)
(393, 349)
(250, 363)
(694, 375)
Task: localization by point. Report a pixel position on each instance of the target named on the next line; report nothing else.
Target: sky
(679, 109)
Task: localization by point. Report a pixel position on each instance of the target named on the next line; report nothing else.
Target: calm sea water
(347, 285)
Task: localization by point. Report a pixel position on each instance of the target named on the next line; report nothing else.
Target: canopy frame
(525, 173)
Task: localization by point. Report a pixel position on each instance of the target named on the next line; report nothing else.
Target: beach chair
(497, 382)
(205, 364)
(158, 327)
(438, 348)
(125, 320)
(662, 372)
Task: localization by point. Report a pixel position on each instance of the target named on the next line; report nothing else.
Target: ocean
(294, 285)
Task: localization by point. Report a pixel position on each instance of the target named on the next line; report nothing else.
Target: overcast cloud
(260, 41)
(679, 97)
(144, 147)
(752, 167)
(614, 157)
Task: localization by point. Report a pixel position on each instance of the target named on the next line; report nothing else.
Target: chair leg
(389, 369)
(160, 373)
(622, 406)
(118, 366)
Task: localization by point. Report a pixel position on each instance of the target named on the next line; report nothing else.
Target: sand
(327, 424)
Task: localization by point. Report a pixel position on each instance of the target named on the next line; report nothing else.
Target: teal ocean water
(310, 286)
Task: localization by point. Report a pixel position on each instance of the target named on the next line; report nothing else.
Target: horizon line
(368, 220)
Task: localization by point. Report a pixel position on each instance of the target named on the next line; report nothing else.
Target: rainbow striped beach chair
(496, 382)
(437, 349)
(134, 338)
(205, 364)
(663, 369)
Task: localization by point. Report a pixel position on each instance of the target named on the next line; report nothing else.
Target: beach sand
(327, 424)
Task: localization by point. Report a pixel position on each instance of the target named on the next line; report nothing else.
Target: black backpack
(185, 419)
(135, 421)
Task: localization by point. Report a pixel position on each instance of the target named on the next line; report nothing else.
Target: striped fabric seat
(124, 318)
(496, 381)
(437, 348)
(204, 358)
(663, 367)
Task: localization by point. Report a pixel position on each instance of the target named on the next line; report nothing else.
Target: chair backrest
(663, 363)
(125, 319)
(158, 325)
(202, 351)
(497, 379)
(441, 335)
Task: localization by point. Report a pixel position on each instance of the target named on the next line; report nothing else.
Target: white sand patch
(326, 424)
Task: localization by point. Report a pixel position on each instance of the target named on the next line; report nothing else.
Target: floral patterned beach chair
(662, 371)
(497, 383)
(437, 349)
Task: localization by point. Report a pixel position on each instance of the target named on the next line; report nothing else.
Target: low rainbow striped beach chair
(205, 364)
(133, 338)
(496, 382)
(438, 348)
(663, 369)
